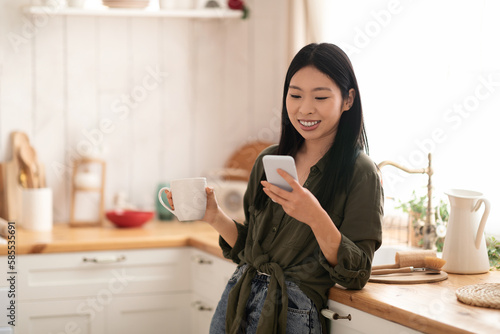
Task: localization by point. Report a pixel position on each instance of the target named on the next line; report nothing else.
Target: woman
(295, 245)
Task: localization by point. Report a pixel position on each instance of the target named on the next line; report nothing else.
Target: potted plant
(493, 246)
(416, 208)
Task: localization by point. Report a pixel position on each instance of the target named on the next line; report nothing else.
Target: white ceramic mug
(189, 198)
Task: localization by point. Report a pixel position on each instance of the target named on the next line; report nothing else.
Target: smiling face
(314, 104)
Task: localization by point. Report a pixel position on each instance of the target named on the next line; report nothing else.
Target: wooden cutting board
(408, 278)
(3, 203)
(11, 189)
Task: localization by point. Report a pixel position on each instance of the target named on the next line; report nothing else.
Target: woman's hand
(169, 198)
(300, 203)
(215, 217)
(212, 209)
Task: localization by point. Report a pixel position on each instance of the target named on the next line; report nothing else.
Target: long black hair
(350, 139)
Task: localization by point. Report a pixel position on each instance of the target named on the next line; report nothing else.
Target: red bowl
(129, 218)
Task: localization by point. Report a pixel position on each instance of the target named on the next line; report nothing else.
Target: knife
(404, 270)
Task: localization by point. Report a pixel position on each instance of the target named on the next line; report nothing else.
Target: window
(429, 78)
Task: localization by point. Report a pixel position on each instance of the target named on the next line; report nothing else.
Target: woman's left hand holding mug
(169, 198)
(213, 210)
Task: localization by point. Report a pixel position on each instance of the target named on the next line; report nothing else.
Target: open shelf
(208, 13)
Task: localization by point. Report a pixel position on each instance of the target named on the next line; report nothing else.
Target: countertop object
(409, 278)
(430, 308)
(129, 218)
(80, 182)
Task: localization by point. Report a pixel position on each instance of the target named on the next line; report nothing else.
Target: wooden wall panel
(178, 98)
(68, 86)
(236, 99)
(49, 106)
(16, 78)
(147, 78)
(84, 133)
(208, 121)
(115, 103)
(268, 53)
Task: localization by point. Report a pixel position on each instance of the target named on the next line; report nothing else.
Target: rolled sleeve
(232, 252)
(353, 268)
(361, 231)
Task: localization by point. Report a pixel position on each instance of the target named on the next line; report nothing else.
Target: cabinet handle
(329, 314)
(201, 260)
(200, 306)
(105, 259)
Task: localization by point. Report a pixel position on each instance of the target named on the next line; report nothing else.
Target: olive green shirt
(272, 242)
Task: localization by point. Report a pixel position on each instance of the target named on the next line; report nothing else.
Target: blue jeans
(302, 316)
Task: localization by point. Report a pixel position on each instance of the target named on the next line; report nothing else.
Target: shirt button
(306, 184)
(274, 229)
(314, 170)
(362, 274)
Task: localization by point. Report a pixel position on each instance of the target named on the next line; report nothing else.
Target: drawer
(150, 314)
(210, 274)
(59, 316)
(202, 311)
(362, 322)
(46, 276)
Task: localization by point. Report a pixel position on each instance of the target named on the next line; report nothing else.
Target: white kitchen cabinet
(151, 314)
(174, 290)
(202, 311)
(58, 317)
(209, 275)
(102, 274)
(129, 291)
(362, 322)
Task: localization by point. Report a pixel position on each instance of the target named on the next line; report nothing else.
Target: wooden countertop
(430, 308)
(154, 234)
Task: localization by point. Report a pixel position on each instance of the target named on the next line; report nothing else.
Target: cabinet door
(209, 278)
(210, 274)
(202, 311)
(58, 317)
(362, 322)
(153, 314)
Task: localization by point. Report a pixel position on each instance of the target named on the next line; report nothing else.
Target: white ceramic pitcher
(464, 245)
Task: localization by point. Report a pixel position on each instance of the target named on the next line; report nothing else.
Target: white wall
(429, 76)
(202, 89)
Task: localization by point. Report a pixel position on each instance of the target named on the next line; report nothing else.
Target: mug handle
(161, 200)
(480, 229)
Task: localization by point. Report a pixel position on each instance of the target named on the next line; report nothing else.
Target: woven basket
(483, 295)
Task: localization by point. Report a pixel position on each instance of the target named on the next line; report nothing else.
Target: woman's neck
(315, 149)
(309, 154)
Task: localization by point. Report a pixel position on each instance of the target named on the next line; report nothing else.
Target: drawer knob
(105, 259)
(329, 314)
(200, 306)
(201, 260)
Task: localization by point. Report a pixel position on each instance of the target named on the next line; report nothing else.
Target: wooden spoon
(41, 176)
(28, 157)
(19, 139)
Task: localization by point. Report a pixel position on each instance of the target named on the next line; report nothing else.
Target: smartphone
(285, 162)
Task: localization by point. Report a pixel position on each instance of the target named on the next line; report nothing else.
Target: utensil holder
(36, 212)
